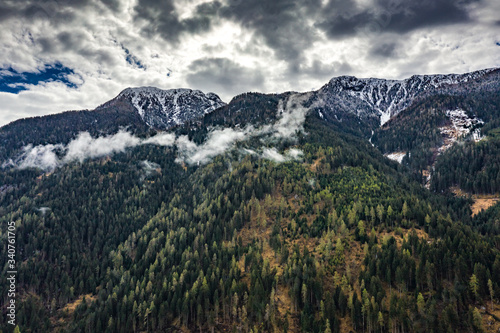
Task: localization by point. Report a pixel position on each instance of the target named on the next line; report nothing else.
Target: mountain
(137, 109)
(429, 127)
(384, 99)
(361, 104)
(272, 213)
(164, 109)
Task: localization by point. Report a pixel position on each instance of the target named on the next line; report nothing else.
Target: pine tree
(420, 303)
(477, 320)
(404, 211)
(474, 285)
(380, 213)
(389, 214)
(327, 327)
(492, 292)
(380, 321)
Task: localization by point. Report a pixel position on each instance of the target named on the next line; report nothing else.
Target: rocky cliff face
(383, 99)
(163, 109)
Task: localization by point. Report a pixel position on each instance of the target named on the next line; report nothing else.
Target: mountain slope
(336, 238)
(137, 109)
(427, 129)
(360, 105)
(384, 99)
(163, 109)
(62, 127)
(273, 213)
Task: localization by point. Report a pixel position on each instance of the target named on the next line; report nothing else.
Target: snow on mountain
(397, 156)
(375, 100)
(163, 109)
(461, 126)
(384, 99)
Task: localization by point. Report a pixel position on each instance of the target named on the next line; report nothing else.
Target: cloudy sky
(58, 55)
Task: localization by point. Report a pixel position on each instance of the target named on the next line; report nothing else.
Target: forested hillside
(473, 167)
(62, 127)
(339, 239)
(422, 133)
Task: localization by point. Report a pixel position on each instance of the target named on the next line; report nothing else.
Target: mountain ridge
(357, 105)
(369, 91)
(164, 109)
(273, 213)
(372, 97)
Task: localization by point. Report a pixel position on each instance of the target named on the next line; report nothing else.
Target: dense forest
(477, 170)
(108, 118)
(417, 133)
(339, 240)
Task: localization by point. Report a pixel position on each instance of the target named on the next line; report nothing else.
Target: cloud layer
(229, 46)
(83, 147)
(291, 116)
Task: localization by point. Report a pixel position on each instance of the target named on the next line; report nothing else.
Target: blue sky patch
(132, 59)
(12, 81)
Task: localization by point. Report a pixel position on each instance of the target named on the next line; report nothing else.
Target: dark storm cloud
(113, 5)
(76, 42)
(398, 16)
(283, 24)
(55, 11)
(223, 75)
(48, 45)
(385, 50)
(427, 13)
(209, 8)
(5, 12)
(70, 40)
(320, 70)
(289, 27)
(100, 56)
(162, 19)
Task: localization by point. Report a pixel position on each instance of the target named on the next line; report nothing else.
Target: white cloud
(217, 143)
(43, 157)
(161, 139)
(272, 154)
(291, 117)
(148, 168)
(295, 153)
(90, 43)
(83, 147)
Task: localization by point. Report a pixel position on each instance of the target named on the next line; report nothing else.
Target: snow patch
(371, 137)
(461, 126)
(396, 156)
(384, 117)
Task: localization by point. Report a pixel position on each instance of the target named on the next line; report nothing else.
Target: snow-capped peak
(164, 109)
(386, 98)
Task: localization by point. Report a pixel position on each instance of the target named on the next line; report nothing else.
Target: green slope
(342, 238)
